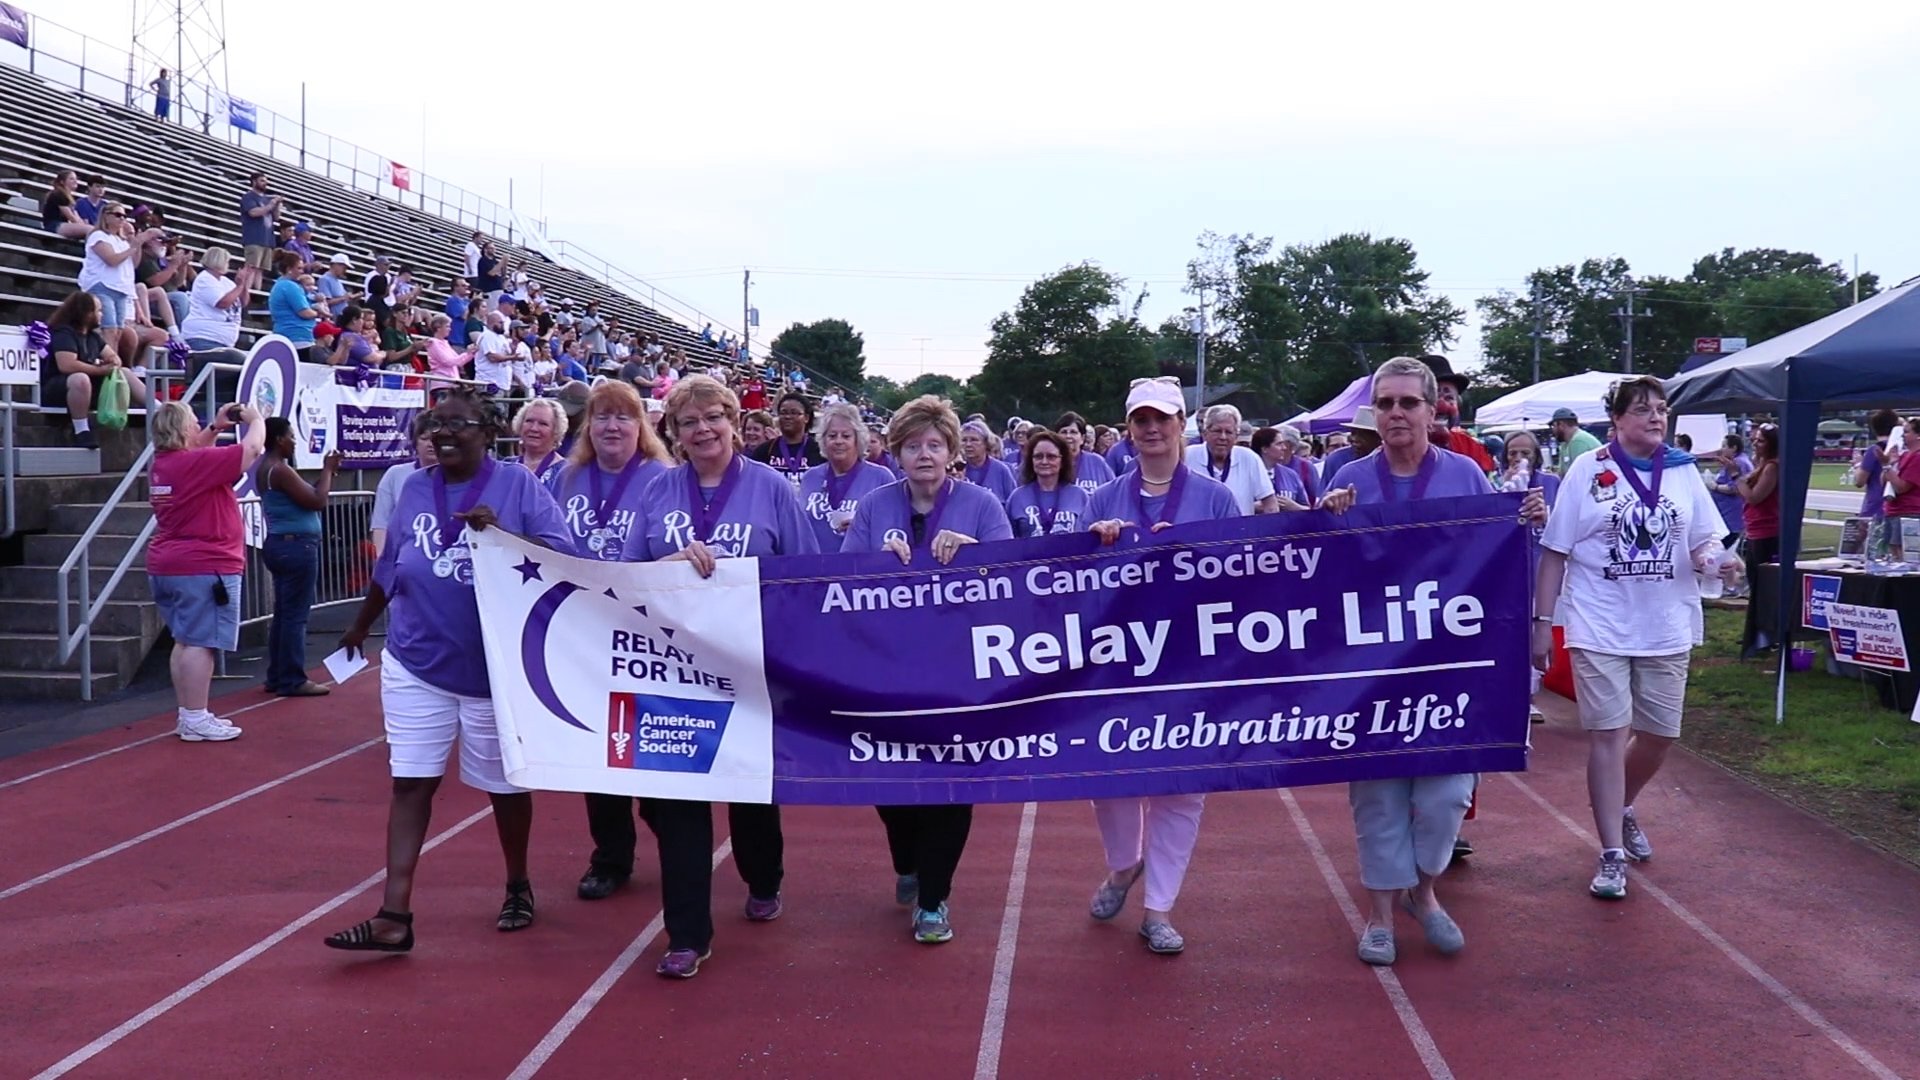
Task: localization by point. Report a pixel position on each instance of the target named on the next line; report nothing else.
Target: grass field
(1839, 752)
(1830, 476)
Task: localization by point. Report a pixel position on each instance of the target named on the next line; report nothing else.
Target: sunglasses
(1404, 404)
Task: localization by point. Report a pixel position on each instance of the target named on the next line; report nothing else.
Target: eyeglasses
(1404, 404)
(452, 425)
(1643, 411)
(693, 423)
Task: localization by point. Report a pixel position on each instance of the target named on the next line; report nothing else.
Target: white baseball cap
(1162, 394)
(342, 260)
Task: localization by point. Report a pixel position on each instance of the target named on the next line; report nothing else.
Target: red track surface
(1760, 943)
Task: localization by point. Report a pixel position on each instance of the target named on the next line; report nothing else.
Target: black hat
(1443, 371)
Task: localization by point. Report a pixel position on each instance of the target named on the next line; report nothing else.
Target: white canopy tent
(1533, 406)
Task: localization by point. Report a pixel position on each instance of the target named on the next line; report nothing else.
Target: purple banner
(13, 25)
(1261, 652)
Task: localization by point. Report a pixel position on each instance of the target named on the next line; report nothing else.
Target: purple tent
(1327, 418)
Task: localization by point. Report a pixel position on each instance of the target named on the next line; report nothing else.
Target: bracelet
(1543, 618)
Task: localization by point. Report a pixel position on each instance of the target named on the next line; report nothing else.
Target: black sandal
(517, 912)
(360, 938)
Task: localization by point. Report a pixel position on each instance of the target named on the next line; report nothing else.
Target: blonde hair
(173, 424)
(616, 396)
(923, 413)
(700, 391)
(558, 417)
(215, 260)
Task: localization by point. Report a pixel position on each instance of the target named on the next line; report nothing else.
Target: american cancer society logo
(664, 734)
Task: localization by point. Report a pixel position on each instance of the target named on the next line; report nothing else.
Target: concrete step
(127, 519)
(118, 449)
(37, 583)
(119, 618)
(52, 685)
(55, 461)
(41, 652)
(40, 496)
(51, 549)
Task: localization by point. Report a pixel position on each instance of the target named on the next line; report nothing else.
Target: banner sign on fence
(19, 360)
(1260, 652)
(366, 415)
(13, 25)
(1868, 636)
(243, 115)
(1817, 591)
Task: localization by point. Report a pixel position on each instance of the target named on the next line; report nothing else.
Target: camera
(235, 413)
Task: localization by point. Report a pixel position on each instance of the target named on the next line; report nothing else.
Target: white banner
(363, 422)
(19, 364)
(592, 692)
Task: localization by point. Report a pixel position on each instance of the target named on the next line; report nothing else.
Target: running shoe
(931, 927)
(1633, 839)
(906, 889)
(682, 963)
(767, 910)
(205, 727)
(1611, 882)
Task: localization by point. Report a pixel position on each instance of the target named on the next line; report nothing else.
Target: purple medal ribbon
(1429, 464)
(933, 517)
(1170, 509)
(602, 503)
(837, 485)
(791, 458)
(475, 488)
(706, 513)
(1649, 496)
(545, 463)
(1048, 507)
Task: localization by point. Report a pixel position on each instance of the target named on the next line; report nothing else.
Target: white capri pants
(1406, 828)
(422, 721)
(1161, 829)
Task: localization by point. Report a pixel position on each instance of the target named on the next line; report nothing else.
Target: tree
(1067, 344)
(885, 394)
(830, 349)
(961, 393)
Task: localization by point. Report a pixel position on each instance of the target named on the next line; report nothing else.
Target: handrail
(7, 451)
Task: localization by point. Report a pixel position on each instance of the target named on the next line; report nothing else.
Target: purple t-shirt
(433, 622)
(761, 517)
(1873, 502)
(1011, 455)
(1201, 499)
(1121, 455)
(1453, 474)
(1336, 460)
(969, 510)
(1287, 482)
(617, 538)
(549, 469)
(995, 477)
(814, 501)
(1069, 505)
(1090, 472)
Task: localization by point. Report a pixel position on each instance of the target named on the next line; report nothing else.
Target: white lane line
(1402, 1005)
(1740, 960)
(243, 710)
(178, 997)
(559, 1033)
(986, 1066)
(81, 864)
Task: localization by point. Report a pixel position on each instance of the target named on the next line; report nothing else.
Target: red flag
(402, 176)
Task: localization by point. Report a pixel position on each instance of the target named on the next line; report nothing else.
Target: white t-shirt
(471, 269)
(488, 370)
(1246, 477)
(1630, 588)
(206, 319)
(388, 493)
(95, 271)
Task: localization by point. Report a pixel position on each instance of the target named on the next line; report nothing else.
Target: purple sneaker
(682, 963)
(767, 910)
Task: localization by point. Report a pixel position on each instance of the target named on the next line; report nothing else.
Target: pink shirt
(1907, 505)
(196, 516)
(443, 359)
(662, 384)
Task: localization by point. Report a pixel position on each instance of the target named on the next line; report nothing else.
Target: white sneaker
(205, 728)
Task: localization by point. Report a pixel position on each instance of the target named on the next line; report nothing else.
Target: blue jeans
(295, 564)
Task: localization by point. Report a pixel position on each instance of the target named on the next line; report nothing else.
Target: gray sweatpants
(1407, 827)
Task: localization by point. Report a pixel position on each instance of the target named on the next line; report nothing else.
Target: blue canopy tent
(1864, 356)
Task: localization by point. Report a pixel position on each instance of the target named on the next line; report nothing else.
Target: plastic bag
(115, 398)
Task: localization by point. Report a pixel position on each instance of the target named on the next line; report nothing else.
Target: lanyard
(1429, 464)
(933, 517)
(837, 486)
(707, 512)
(475, 488)
(603, 504)
(1224, 470)
(1048, 503)
(791, 458)
(1649, 496)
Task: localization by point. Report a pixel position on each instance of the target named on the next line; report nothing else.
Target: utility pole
(1200, 355)
(1628, 313)
(746, 305)
(1536, 333)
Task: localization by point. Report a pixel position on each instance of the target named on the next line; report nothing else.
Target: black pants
(1762, 630)
(928, 841)
(610, 820)
(684, 832)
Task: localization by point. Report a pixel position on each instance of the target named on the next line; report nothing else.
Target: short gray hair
(1214, 412)
(215, 260)
(842, 411)
(173, 424)
(557, 417)
(1290, 435)
(1407, 365)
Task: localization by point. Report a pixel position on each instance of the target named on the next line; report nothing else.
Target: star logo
(529, 570)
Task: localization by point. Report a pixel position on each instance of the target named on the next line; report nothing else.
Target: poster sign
(19, 361)
(1868, 636)
(367, 415)
(13, 25)
(1817, 591)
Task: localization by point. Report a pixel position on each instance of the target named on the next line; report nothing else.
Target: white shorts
(1647, 692)
(422, 721)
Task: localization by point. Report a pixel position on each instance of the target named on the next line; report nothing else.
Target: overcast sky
(911, 167)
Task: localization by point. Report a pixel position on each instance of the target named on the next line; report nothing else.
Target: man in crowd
(470, 257)
(496, 362)
(1447, 432)
(379, 289)
(1574, 440)
(459, 300)
(257, 213)
(593, 330)
(88, 206)
(332, 286)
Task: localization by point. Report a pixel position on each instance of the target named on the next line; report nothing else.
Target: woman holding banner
(830, 493)
(601, 493)
(716, 505)
(1618, 562)
(1406, 828)
(1049, 501)
(434, 685)
(541, 426)
(933, 513)
(1152, 837)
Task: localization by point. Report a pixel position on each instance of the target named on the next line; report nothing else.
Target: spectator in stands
(593, 330)
(108, 273)
(798, 380)
(377, 287)
(404, 290)
(199, 549)
(212, 326)
(388, 493)
(470, 257)
(258, 210)
(573, 363)
(81, 358)
(459, 300)
(753, 395)
(292, 509)
(88, 206)
(486, 274)
(335, 294)
(397, 344)
(663, 379)
(495, 362)
(292, 311)
(301, 243)
(162, 87)
(163, 278)
(443, 359)
(59, 213)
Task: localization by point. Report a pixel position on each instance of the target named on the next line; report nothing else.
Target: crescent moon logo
(533, 650)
